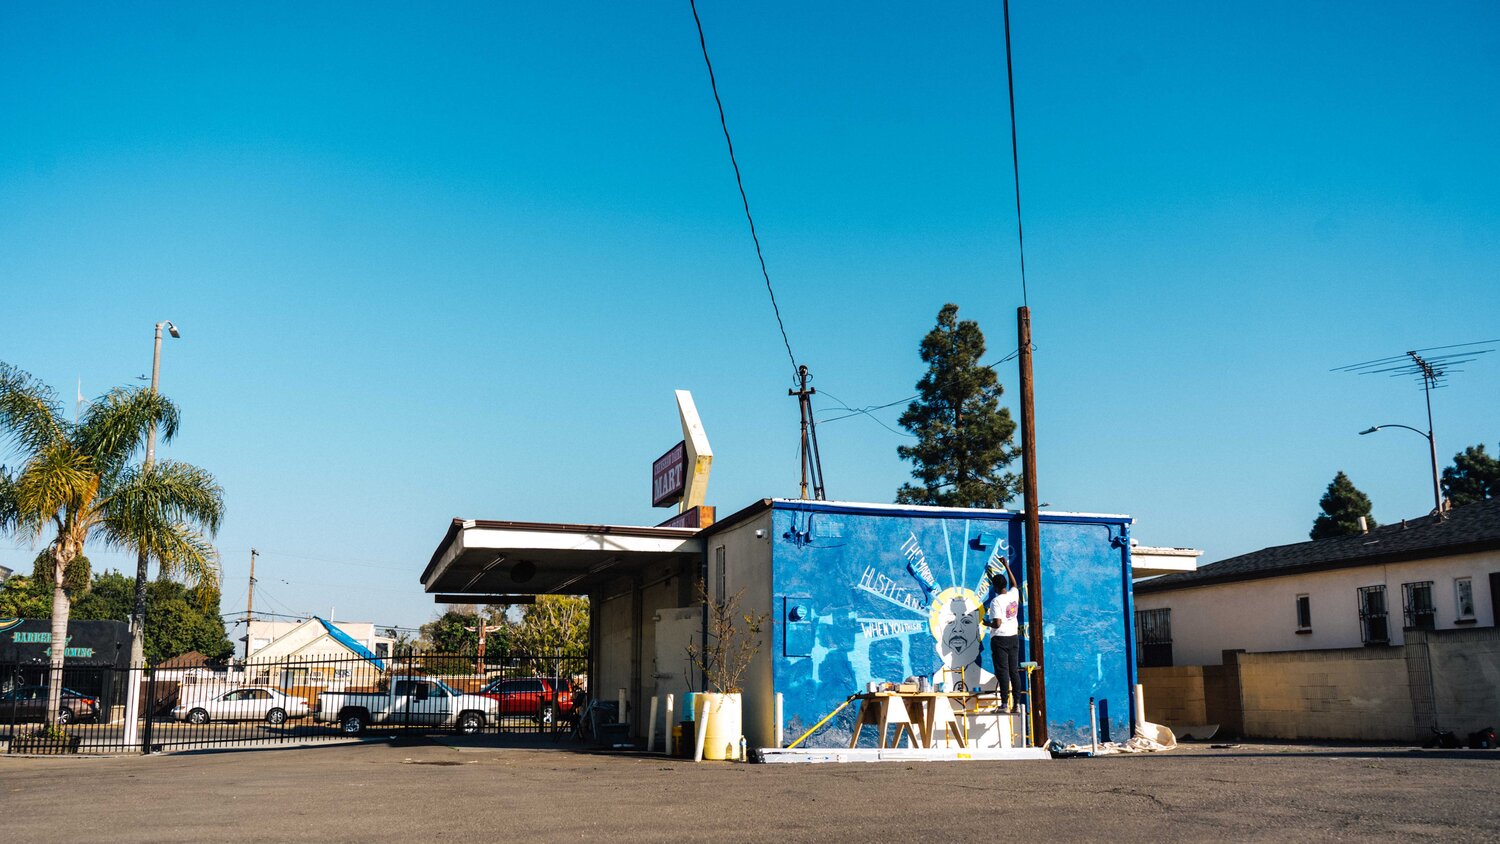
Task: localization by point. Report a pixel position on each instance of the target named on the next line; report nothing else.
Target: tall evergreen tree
(963, 434)
(1342, 505)
(1473, 477)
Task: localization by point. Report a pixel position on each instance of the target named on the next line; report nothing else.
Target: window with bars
(1373, 627)
(1153, 638)
(1416, 602)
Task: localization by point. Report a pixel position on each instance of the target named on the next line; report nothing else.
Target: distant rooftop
(1468, 529)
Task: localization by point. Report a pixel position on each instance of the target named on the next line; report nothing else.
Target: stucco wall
(747, 571)
(1261, 615)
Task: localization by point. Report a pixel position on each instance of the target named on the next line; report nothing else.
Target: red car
(543, 699)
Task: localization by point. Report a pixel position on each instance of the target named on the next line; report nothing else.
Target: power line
(1015, 156)
(868, 410)
(741, 184)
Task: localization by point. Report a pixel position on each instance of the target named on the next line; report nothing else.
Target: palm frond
(30, 415)
(9, 510)
(184, 553)
(59, 482)
(115, 424)
(168, 492)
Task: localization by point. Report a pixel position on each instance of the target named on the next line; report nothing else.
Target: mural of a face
(955, 626)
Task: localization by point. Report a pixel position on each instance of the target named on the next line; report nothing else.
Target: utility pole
(810, 457)
(138, 613)
(483, 629)
(1038, 695)
(1429, 379)
(250, 602)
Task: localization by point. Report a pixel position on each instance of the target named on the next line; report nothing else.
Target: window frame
(1367, 616)
(1458, 600)
(1152, 648)
(1413, 615)
(1303, 609)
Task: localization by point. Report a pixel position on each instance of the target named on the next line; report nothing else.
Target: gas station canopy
(490, 560)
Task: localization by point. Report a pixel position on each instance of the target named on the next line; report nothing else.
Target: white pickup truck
(410, 701)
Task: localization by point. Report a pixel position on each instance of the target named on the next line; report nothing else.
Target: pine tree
(963, 435)
(1473, 477)
(1342, 505)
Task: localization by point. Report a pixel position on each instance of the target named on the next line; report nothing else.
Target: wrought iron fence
(301, 699)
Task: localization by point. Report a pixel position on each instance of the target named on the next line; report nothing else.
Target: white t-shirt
(1005, 607)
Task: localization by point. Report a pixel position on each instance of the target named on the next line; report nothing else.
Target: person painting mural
(1002, 609)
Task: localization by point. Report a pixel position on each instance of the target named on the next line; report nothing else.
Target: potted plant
(49, 740)
(732, 641)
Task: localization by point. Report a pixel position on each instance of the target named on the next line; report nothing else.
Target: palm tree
(76, 482)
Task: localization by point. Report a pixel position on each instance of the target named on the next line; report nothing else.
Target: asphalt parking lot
(471, 788)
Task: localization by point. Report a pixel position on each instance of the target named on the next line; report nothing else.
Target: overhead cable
(741, 184)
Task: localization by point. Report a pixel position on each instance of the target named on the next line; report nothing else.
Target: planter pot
(44, 746)
(725, 724)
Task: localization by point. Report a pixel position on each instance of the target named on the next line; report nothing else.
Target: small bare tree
(733, 641)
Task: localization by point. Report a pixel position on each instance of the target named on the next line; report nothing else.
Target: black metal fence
(303, 699)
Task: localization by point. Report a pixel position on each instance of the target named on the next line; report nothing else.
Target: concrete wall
(1464, 693)
(625, 629)
(616, 640)
(1449, 679)
(1360, 694)
(1261, 615)
(1175, 696)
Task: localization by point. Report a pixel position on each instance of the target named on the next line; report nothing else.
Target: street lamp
(138, 613)
(1437, 494)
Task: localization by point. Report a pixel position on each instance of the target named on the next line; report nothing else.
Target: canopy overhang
(489, 560)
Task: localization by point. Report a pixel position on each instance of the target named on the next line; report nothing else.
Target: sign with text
(694, 517)
(668, 476)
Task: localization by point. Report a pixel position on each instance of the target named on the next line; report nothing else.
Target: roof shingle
(1475, 527)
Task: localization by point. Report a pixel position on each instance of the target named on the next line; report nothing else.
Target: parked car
(543, 699)
(30, 704)
(410, 701)
(247, 703)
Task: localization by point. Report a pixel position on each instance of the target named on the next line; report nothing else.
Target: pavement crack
(1130, 792)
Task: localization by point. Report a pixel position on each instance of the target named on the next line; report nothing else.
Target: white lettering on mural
(916, 563)
(885, 628)
(877, 584)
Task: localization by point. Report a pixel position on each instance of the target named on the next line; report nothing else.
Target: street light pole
(1437, 489)
(138, 612)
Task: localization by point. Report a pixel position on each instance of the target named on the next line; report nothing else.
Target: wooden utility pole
(483, 630)
(811, 460)
(250, 602)
(1038, 696)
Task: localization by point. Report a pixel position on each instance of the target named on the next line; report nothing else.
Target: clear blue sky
(450, 260)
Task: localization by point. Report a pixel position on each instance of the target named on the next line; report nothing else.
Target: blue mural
(867, 594)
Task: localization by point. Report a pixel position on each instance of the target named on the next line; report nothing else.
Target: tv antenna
(1433, 371)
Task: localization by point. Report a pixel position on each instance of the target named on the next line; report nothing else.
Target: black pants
(1007, 653)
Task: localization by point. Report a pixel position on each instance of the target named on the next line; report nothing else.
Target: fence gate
(260, 703)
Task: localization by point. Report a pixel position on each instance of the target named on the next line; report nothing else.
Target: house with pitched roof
(1371, 588)
(1383, 635)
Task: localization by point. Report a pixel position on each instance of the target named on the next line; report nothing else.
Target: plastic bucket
(725, 725)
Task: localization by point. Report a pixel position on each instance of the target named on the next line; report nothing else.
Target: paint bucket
(721, 739)
(689, 706)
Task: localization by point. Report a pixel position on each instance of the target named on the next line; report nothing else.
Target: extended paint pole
(1038, 689)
